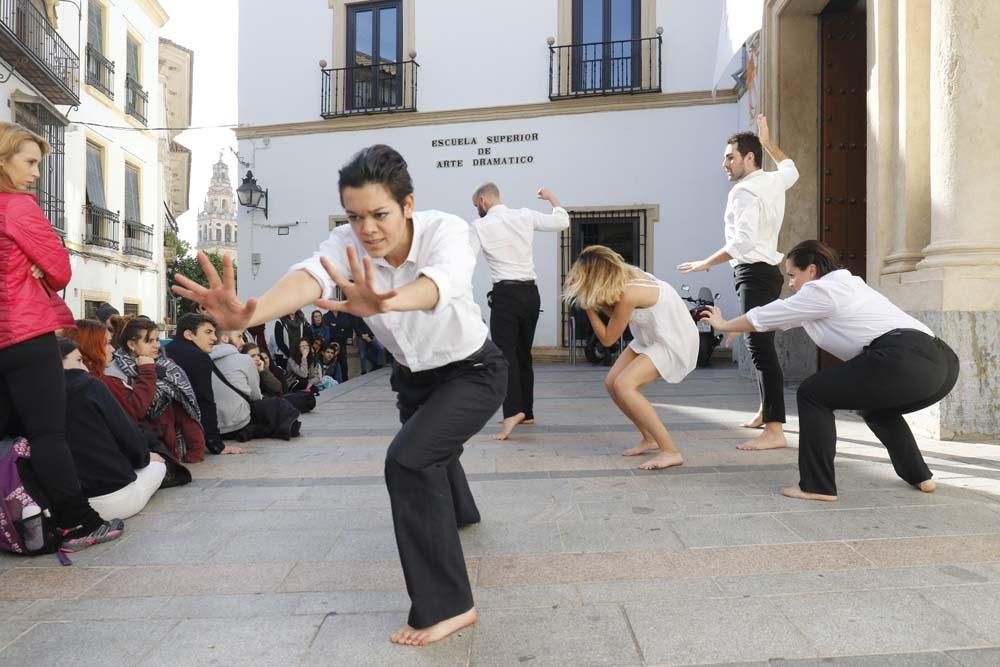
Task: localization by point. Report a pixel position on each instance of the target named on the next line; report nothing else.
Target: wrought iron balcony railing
(102, 228)
(100, 72)
(136, 99)
(368, 89)
(30, 43)
(620, 67)
(138, 239)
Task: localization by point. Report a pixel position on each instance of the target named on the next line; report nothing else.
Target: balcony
(30, 44)
(100, 72)
(623, 67)
(102, 227)
(138, 239)
(136, 100)
(369, 89)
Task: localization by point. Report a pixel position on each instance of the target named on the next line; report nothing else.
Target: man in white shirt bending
(754, 213)
(505, 236)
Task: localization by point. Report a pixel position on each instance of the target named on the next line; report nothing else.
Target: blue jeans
(372, 352)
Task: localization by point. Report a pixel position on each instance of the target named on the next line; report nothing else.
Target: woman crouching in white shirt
(894, 365)
(413, 287)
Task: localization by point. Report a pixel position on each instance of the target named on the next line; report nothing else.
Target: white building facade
(88, 81)
(623, 126)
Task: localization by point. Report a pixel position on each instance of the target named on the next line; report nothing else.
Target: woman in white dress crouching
(665, 339)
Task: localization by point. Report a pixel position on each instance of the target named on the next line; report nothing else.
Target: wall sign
(478, 151)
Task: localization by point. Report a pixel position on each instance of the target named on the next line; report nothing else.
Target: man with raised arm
(505, 236)
(754, 213)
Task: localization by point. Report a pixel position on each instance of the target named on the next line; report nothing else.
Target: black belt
(509, 283)
(474, 358)
(899, 332)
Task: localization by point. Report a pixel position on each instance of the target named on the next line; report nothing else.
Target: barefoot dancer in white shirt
(754, 212)
(665, 342)
(505, 236)
(894, 366)
(413, 288)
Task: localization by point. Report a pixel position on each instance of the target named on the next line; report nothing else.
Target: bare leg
(638, 372)
(423, 636)
(508, 425)
(648, 442)
(773, 437)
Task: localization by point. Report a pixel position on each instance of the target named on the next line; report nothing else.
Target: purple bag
(27, 536)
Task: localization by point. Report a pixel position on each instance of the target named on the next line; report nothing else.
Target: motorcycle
(708, 340)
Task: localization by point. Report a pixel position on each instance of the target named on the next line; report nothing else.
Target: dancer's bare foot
(508, 425)
(757, 421)
(641, 448)
(927, 486)
(526, 421)
(769, 439)
(663, 460)
(423, 636)
(796, 492)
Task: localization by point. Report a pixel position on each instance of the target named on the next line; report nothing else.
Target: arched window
(218, 234)
(229, 234)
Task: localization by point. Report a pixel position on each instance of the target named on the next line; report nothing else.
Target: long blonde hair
(597, 279)
(12, 136)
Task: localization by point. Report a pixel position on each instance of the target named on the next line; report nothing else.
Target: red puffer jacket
(30, 307)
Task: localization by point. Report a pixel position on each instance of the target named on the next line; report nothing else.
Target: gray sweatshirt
(240, 370)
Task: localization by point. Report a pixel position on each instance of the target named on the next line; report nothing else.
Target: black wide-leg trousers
(440, 410)
(900, 372)
(513, 317)
(759, 284)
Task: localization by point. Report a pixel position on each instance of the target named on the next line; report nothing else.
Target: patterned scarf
(172, 384)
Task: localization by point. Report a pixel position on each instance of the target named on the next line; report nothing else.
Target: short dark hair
(191, 322)
(378, 164)
(66, 346)
(134, 329)
(748, 142)
(814, 252)
(104, 311)
(247, 347)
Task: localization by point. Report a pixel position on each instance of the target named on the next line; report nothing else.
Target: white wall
(669, 157)
(472, 53)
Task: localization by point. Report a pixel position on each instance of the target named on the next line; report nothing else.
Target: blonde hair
(597, 279)
(12, 136)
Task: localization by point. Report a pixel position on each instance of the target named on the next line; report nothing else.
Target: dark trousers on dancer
(440, 410)
(514, 312)
(759, 284)
(33, 405)
(900, 372)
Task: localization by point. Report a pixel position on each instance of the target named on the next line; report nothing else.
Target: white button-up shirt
(839, 311)
(505, 235)
(419, 339)
(754, 212)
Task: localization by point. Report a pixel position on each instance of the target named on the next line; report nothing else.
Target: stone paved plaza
(286, 556)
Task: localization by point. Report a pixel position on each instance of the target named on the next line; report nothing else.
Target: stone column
(965, 137)
(913, 197)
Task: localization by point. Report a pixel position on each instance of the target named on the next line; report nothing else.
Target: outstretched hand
(713, 315)
(360, 297)
(692, 267)
(218, 299)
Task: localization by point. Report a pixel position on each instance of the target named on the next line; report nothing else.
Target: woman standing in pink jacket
(32, 385)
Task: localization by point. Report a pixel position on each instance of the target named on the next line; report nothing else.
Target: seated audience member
(190, 349)
(240, 371)
(370, 349)
(303, 368)
(117, 472)
(93, 339)
(272, 381)
(156, 394)
(329, 365)
(105, 311)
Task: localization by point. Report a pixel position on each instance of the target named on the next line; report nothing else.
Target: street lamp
(250, 194)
